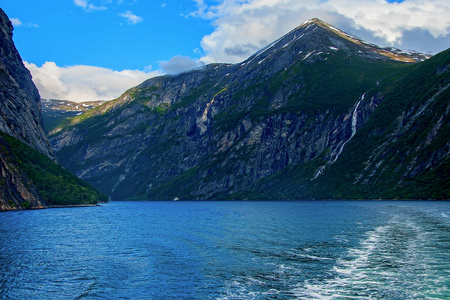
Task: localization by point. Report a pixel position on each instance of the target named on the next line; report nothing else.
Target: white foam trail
(394, 261)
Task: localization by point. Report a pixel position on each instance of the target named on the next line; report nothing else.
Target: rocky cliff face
(20, 101)
(401, 151)
(20, 118)
(30, 178)
(272, 127)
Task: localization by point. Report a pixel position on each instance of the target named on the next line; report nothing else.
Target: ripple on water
(228, 250)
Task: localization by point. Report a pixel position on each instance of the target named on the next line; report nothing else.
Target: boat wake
(400, 260)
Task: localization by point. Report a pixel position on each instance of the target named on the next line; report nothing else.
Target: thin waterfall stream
(341, 147)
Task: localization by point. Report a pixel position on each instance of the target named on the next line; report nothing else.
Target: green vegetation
(389, 178)
(141, 94)
(162, 151)
(332, 85)
(54, 183)
(54, 119)
(183, 184)
(405, 89)
(161, 109)
(26, 204)
(194, 95)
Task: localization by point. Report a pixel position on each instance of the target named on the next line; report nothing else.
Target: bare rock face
(20, 107)
(20, 117)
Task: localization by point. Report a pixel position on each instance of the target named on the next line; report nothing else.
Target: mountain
(56, 111)
(30, 176)
(21, 105)
(316, 114)
(69, 106)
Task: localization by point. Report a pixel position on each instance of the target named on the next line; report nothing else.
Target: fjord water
(228, 250)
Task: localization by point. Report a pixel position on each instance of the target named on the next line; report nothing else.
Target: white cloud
(16, 22)
(390, 20)
(179, 64)
(88, 6)
(81, 3)
(131, 18)
(242, 27)
(84, 83)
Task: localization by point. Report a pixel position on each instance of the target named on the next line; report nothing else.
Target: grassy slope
(53, 119)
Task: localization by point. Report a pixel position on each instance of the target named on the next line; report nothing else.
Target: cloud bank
(84, 83)
(242, 27)
(179, 64)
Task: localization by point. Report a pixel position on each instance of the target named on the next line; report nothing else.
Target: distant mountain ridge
(56, 111)
(280, 125)
(66, 105)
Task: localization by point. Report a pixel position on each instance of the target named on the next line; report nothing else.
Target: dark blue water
(228, 250)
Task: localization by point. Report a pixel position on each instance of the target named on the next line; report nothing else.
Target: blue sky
(68, 34)
(96, 49)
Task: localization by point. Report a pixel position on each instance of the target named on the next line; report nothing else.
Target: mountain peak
(313, 20)
(319, 22)
(315, 37)
(386, 52)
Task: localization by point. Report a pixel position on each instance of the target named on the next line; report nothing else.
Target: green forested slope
(55, 184)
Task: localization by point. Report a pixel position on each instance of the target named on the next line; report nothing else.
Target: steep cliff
(20, 101)
(16, 189)
(271, 127)
(401, 151)
(30, 178)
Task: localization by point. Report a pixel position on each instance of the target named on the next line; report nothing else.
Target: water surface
(228, 250)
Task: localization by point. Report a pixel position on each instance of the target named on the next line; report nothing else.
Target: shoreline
(49, 207)
(73, 205)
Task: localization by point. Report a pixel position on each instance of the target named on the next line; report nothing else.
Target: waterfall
(354, 123)
(355, 116)
(341, 147)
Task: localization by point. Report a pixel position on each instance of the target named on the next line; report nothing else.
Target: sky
(84, 50)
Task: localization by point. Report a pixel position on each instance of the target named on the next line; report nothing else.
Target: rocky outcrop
(20, 101)
(272, 127)
(20, 117)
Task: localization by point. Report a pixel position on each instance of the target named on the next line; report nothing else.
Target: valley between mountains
(317, 114)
